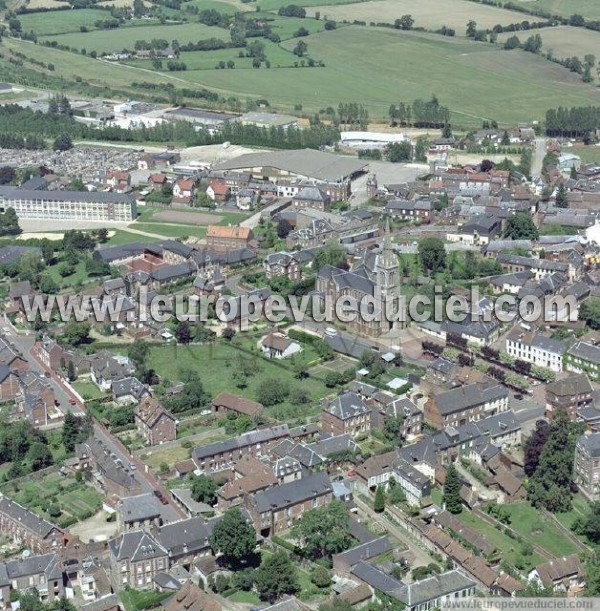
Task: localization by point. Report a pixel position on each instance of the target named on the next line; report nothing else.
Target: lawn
(171, 231)
(249, 598)
(61, 22)
(432, 14)
(79, 275)
(580, 509)
(136, 600)
(389, 67)
(214, 364)
(87, 389)
(588, 154)
(122, 236)
(509, 548)
(535, 528)
(120, 38)
(171, 455)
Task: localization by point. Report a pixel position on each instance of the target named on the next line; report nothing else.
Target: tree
(276, 576)
(534, 445)
(397, 152)
(561, 197)
(486, 165)
(520, 226)
(589, 524)
(447, 131)
(333, 254)
(330, 25)
(551, 485)
(7, 175)
(183, 332)
(505, 139)
(204, 489)
(451, 498)
(9, 223)
(300, 49)
(379, 502)
(405, 22)
(324, 531)
(471, 29)
(102, 235)
(70, 431)
(63, 142)
(590, 312)
(233, 537)
(512, 42)
(432, 254)
(272, 391)
(320, 576)
(76, 333)
(138, 352)
(283, 228)
(39, 455)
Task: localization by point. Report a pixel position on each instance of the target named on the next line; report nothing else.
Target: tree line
(420, 113)
(572, 122)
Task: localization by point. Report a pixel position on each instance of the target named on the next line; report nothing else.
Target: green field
(214, 365)
(124, 237)
(538, 529)
(588, 154)
(590, 9)
(171, 231)
(228, 7)
(60, 22)
(286, 27)
(274, 5)
(124, 38)
(389, 66)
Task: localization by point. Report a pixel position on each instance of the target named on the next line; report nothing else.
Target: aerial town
(299, 305)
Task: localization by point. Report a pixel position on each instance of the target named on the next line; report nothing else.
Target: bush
(321, 577)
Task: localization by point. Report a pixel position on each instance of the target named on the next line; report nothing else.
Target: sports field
(120, 38)
(431, 14)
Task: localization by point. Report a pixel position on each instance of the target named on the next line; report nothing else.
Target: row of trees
(573, 122)
(420, 113)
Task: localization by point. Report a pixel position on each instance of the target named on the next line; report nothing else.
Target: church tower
(387, 268)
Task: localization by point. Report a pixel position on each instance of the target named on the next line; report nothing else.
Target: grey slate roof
(91, 197)
(136, 545)
(189, 534)
(376, 578)
(433, 587)
(587, 352)
(12, 254)
(48, 564)
(472, 395)
(590, 444)
(366, 551)
(140, 507)
(287, 495)
(347, 405)
(29, 520)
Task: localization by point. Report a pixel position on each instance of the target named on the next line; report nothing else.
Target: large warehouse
(304, 164)
(68, 205)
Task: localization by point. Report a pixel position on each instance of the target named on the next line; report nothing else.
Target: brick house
(347, 414)
(466, 403)
(253, 477)
(226, 402)
(218, 191)
(228, 238)
(564, 574)
(44, 573)
(311, 197)
(184, 190)
(9, 383)
(570, 393)
(136, 557)
(154, 422)
(51, 354)
(276, 509)
(118, 181)
(11, 356)
(221, 454)
(282, 264)
(28, 529)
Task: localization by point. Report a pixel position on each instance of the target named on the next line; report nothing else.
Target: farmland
(60, 22)
(590, 9)
(115, 40)
(392, 70)
(432, 14)
(564, 41)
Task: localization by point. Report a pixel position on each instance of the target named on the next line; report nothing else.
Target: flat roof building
(68, 205)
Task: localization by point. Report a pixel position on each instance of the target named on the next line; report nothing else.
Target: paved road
(64, 395)
(539, 152)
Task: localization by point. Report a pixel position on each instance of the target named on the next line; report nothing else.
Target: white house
(277, 345)
(536, 349)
